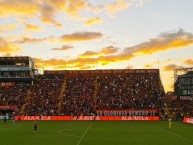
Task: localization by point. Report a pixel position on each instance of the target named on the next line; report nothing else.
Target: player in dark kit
(35, 126)
(18, 120)
(5, 119)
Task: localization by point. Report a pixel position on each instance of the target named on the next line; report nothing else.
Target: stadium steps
(95, 93)
(27, 99)
(61, 96)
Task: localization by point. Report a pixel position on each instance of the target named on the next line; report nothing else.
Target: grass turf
(96, 133)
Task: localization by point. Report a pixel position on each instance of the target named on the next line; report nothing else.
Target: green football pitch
(96, 133)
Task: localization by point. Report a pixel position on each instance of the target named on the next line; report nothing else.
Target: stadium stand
(78, 95)
(103, 91)
(180, 109)
(81, 93)
(13, 95)
(129, 91)
(44, 96)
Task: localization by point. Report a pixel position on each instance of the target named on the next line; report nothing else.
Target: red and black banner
(7, 84)
(188, 120)
(11, 107)
(87, 118)
(128, 112)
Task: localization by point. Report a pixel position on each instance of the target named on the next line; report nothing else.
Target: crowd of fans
(83, 95)
(43, 99)
(180, 108)
(78, 96)
(13, 95)
(129, 91)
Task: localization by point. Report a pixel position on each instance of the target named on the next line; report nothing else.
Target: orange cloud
(165, 41)
(105, 51)
(188, 62)
(30, 27)
(89, 54)
(65, 47)
(170, 67)
(49, 63)
(74, 37)
(71, 7)
(28, 9)
(81, 63)
(8, 48)
(58, 64)
(110, 54)
(57, 25)
(93, 57)
(114, 58)
(116, 6)
(30, 40)
(109, 50)
(47, 13)
(47, 10)
(147, 66)
(21, 7)
(93, 21)
(81, 36)
(7, 27)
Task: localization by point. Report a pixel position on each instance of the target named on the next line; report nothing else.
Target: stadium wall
(188, 120)
(101, 72)
(98, 118)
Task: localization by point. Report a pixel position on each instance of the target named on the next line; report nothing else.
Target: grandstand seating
(13, 95)
(81, 94)
(180, 108)
(44, 97)
(78, 95)
(131, 91)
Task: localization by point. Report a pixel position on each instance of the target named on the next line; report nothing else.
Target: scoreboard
(184, 86)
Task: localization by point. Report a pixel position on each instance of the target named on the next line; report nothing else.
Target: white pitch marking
(60, 132)
(84, 134)
(172, 133)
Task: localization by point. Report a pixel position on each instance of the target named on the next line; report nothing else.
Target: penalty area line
(84, 134)
(172, 133)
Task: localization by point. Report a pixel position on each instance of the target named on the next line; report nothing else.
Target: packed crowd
(132, 91)
(128, 91)
(83, 95)
(78, 96)
(43, 99)
(181, 108)
(13, 95)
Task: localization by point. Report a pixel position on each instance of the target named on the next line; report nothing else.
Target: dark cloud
(81, 36)
(63, 48)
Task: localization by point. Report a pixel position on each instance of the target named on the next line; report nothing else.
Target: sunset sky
(100, 34)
